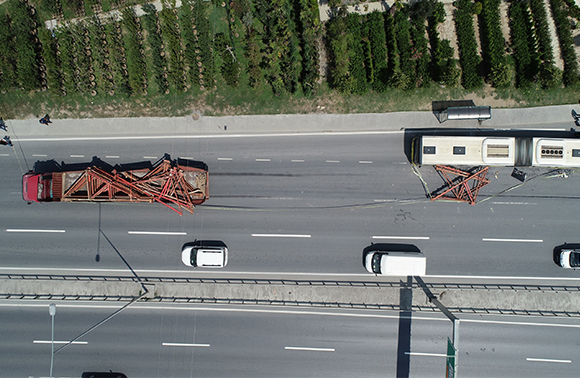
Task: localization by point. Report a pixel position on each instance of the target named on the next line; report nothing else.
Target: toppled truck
(178, 184)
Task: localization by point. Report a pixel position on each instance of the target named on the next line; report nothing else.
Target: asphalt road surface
(297, 204)
(152, 340)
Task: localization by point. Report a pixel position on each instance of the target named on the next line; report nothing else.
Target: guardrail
(264, 281)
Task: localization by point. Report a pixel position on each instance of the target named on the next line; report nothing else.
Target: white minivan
(205, 254)
(391, 263)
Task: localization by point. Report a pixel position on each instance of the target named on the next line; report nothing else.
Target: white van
(396, 263)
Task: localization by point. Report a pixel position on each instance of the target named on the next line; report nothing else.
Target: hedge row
(494, 44)
(136, 66)
(541, 30)
(445, 70)
(378, 51)
(155, 40)
(309, 34)
(559, 11)
(467, 45)
(172, 34)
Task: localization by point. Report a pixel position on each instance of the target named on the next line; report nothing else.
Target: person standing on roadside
(45, 120)
(6, 141)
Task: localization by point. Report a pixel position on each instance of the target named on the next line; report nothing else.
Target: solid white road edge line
(157, 271)
(176, 307)
(514, 240)
(281, 236)
(311, 349)
(548, 360)
(23, 230)
(184, 345)
(155, 233)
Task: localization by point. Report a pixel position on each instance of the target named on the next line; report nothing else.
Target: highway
(286, 205)
(294, 204)
(153, 340)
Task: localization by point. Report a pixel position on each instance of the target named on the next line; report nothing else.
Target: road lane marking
(77, 156)
(156, 233)
(187, 157)
(297, 161)
(426, 354)
(262, 159)
(184, 345)
(112, 157)
(24, 230)
(548, 360)
(514, 203)
(365, 162)
(225, 159)
(39, 155)
(281, 236)
(59, 342)
(4, 155)
(333, 161)
(311, 349)
(149, 157)
(214, 136)
(402, 237)
(514, 240)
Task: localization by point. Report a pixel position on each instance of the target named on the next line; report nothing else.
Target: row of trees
(277, 42)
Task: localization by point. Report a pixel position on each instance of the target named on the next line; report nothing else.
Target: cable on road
(545, 175)
(21, 150)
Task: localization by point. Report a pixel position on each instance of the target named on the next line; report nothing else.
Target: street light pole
(52, 312)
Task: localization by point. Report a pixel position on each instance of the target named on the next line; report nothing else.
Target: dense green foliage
(155, 41)
(494, 44)
(559, 12)
(468, 56)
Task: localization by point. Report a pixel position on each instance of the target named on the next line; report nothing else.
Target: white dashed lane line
(155, 233)
(402, 237)
(548, 360)
(29, 230)
(228, 159)
(185, 345)
(112, 157)
(365, 162)
(262, 159)
(281, 236)
(514, 240)
(311, 349)
(333, 161)
(59, 342)
(426, 354)
(297, 161)
(77, 156)
(39, 155)
(149, 157)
